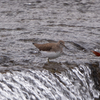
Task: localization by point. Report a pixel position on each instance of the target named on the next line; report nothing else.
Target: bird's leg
(48, 60)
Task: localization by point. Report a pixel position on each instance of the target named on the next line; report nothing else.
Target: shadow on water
(95, 73)
(54, 67)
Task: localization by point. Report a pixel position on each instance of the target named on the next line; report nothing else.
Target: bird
(51, 50)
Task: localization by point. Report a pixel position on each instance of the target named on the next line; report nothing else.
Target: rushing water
(24, 74)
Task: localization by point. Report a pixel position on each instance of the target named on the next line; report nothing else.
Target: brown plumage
(50, 46)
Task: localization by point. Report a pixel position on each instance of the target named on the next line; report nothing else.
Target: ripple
(36, 84)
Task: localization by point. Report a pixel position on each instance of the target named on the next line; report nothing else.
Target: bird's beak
(65, 46)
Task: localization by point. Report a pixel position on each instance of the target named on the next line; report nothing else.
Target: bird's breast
(51, 55)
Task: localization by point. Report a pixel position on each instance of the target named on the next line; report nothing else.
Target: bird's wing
(44, 47)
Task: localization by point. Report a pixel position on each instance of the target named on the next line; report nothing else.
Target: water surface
(24, 74)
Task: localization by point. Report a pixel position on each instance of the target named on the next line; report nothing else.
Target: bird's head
(62, 43)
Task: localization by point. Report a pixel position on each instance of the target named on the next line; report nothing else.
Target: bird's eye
(61, 43)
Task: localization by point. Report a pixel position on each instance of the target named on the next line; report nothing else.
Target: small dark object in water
(96, 53)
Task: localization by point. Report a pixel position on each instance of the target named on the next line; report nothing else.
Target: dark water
(24, 74)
